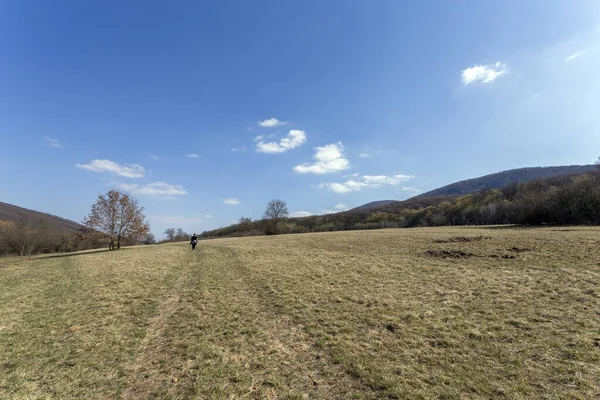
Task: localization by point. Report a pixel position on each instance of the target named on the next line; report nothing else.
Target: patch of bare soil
(463, 239)
(449, 254)
(504, 256)
(457, 254)
(518, 249)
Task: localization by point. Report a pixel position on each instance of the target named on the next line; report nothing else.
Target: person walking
(194, 241)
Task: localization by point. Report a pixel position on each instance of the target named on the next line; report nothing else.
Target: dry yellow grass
(414, 313)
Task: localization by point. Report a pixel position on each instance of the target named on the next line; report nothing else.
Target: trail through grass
(415, 313)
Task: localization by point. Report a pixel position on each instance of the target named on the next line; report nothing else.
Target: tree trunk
(111, 246)
(119, 243)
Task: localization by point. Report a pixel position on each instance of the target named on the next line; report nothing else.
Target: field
(447, 313)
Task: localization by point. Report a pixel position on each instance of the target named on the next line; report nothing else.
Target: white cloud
(192, 155)
(271, 122)
(300, 214)
(160, 190)
(238, 149)
(208, 216)
(231, 201)
(329, 158)
(53, 142)
(338, 187)
(293, 139)
(573, 56)
(322, 212)
(126, 170)
(483, 73)
(367, 181)
(341, 206)
(378, 180)
(154, 157)
(355, 185)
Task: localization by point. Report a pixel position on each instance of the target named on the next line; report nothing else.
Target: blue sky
(206, 111)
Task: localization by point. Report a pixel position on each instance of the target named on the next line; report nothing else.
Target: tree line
(33, 236)
(117, 219)
(569, 200)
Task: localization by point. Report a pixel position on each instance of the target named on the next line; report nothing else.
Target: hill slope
(374, 204)
(504, 178)
(19, 215)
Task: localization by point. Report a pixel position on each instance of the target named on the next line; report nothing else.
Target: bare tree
(149, 239)
(118, 216)
(181, 234)
(598, 164)
(170, 233)
(244, 220)
(276, 211)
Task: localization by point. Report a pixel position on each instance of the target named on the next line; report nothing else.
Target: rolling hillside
(504, 178)
(374, 204)
(492, 181)
(19, 215)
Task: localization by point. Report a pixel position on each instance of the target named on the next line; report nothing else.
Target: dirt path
(214, 336)
(141, 366)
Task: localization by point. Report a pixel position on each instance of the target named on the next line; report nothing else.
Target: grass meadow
(444, 313)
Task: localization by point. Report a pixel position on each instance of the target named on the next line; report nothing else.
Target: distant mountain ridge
(491, 181)
(504, 178)
(19, 215)
(374, 204)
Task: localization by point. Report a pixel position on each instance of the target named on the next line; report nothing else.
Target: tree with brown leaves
(118, 216)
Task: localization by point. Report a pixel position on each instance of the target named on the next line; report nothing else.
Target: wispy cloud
(124, 170)
(326, 211)
(53, 142)
(208, 216)
(300, 214)
(367, 181)
(271, 122)
(192, 155)
(329, 158)
(259, 138)
(154, 157)
(340, 206)
(238, 149)
(483, 73)
(231, 201)
(161, 190)
(573, 56)
(411, 189)
(294, 138)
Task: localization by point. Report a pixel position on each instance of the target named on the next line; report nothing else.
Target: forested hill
(504, 178)
(375, 204)
(565, 199)
(23, 216)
